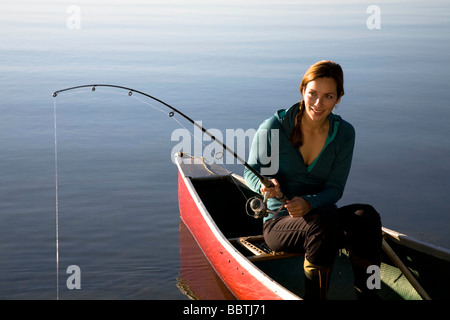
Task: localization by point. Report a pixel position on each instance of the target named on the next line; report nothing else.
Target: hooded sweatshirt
(322, 182)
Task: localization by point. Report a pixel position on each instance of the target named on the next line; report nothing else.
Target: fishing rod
(257, 205)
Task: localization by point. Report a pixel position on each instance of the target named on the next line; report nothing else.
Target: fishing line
(172, 115)
(197, 139)
(56, 201)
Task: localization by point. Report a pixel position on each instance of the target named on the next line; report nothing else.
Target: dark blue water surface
(230, 64)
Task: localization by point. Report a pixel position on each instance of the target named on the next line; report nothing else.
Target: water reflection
(197, 279)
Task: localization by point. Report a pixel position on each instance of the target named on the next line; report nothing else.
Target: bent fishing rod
(264, 180)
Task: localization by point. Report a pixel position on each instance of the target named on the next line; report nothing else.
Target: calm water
(230, 64)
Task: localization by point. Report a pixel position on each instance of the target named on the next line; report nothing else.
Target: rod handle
(269, 184)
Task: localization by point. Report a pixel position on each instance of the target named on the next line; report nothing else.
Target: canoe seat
(258, 249)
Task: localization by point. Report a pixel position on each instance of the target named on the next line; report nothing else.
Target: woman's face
(320, 97)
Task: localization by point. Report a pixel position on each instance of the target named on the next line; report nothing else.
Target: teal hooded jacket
(322, 182)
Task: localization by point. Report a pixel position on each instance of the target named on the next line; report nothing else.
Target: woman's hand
(297, 207)
(272, 191)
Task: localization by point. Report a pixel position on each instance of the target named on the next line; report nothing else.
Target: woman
(315, 153)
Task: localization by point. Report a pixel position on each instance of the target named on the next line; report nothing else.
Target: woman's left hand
(273, 191)
(297, 207)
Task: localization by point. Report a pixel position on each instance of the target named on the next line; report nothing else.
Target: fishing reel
(257, 206)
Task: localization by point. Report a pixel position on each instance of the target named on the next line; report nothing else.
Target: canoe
(213, 205)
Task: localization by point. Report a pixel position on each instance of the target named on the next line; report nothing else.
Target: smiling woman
(322, 83)
(314, 166)
(320, 100)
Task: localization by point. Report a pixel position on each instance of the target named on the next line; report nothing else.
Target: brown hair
(321, 69)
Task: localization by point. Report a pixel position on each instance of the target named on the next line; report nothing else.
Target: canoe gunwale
(415, 244)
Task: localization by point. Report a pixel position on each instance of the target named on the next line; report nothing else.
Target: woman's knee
(363, 213)
(369, 215)
(363, 231)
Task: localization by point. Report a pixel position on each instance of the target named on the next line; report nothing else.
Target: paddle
(404, 269)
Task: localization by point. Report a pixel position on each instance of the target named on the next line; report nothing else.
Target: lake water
(229, 64)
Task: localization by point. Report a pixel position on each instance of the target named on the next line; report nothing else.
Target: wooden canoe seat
(258, 249)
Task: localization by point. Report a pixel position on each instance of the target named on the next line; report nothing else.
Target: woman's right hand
(297, 207)
(272, 191)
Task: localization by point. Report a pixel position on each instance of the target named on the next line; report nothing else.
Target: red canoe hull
(242, 280)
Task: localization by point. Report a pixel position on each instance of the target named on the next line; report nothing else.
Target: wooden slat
(258, 253)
